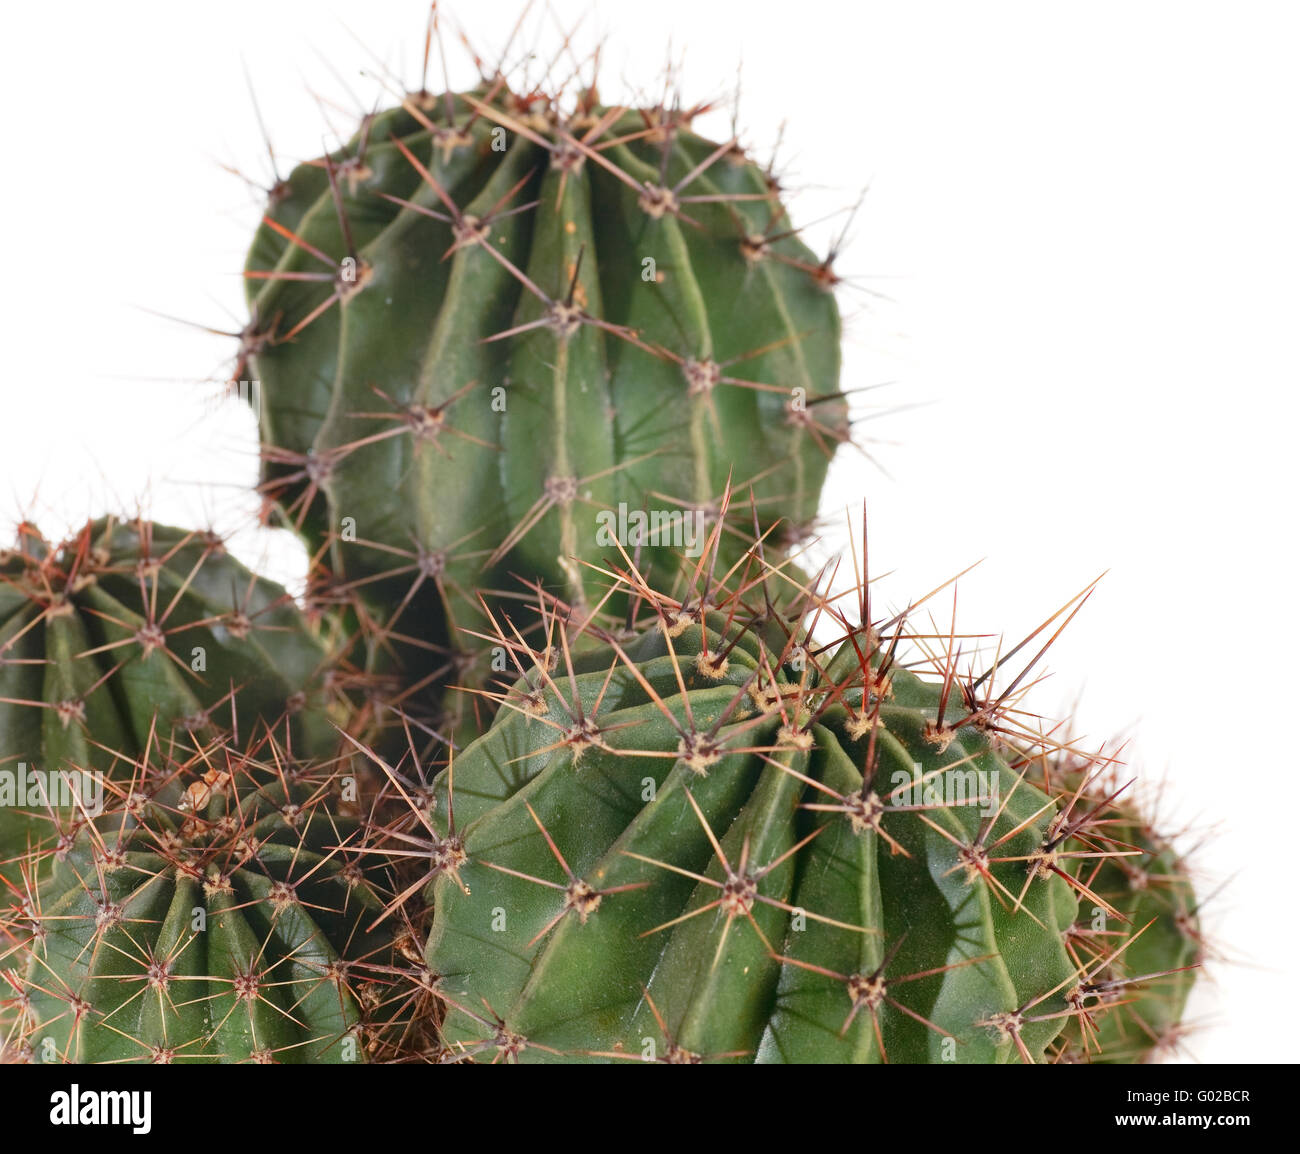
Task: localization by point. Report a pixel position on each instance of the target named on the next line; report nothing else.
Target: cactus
(1153, 893)
(726, 836)
(213, 912)
(497, 318)
(515, 349)
(129, 632)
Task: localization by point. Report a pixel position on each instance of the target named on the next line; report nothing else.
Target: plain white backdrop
(1079, 256)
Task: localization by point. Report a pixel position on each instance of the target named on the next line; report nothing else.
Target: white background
(1085, 218)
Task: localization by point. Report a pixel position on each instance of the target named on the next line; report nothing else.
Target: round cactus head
(129, 633)
(506, 331)
(745, 831)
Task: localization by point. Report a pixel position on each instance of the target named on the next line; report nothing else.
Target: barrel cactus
(216, 911)
(723, 837)
(501, 332)
(129, 633)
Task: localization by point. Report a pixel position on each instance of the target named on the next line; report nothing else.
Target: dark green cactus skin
(99, 642)
(208, 924)
(590, 988)
(459, 461)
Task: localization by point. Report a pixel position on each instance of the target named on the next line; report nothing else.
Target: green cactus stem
(499, 327)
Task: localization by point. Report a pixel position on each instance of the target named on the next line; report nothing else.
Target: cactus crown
(740, 827)
(502, 330)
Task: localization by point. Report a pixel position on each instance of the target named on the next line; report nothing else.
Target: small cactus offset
(130, 632)
(724, 836)
(212, 912)
(499, 327)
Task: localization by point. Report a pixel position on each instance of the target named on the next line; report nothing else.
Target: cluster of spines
(40, 582)
(1153, 888)
(125, 627)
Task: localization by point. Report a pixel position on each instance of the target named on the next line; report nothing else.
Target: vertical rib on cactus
(496, 315)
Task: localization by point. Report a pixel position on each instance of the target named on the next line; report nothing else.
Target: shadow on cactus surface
(567, 754)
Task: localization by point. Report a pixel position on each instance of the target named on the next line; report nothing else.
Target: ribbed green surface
(584, 990)
(459, 461)
(216, 936)
(129, 628)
